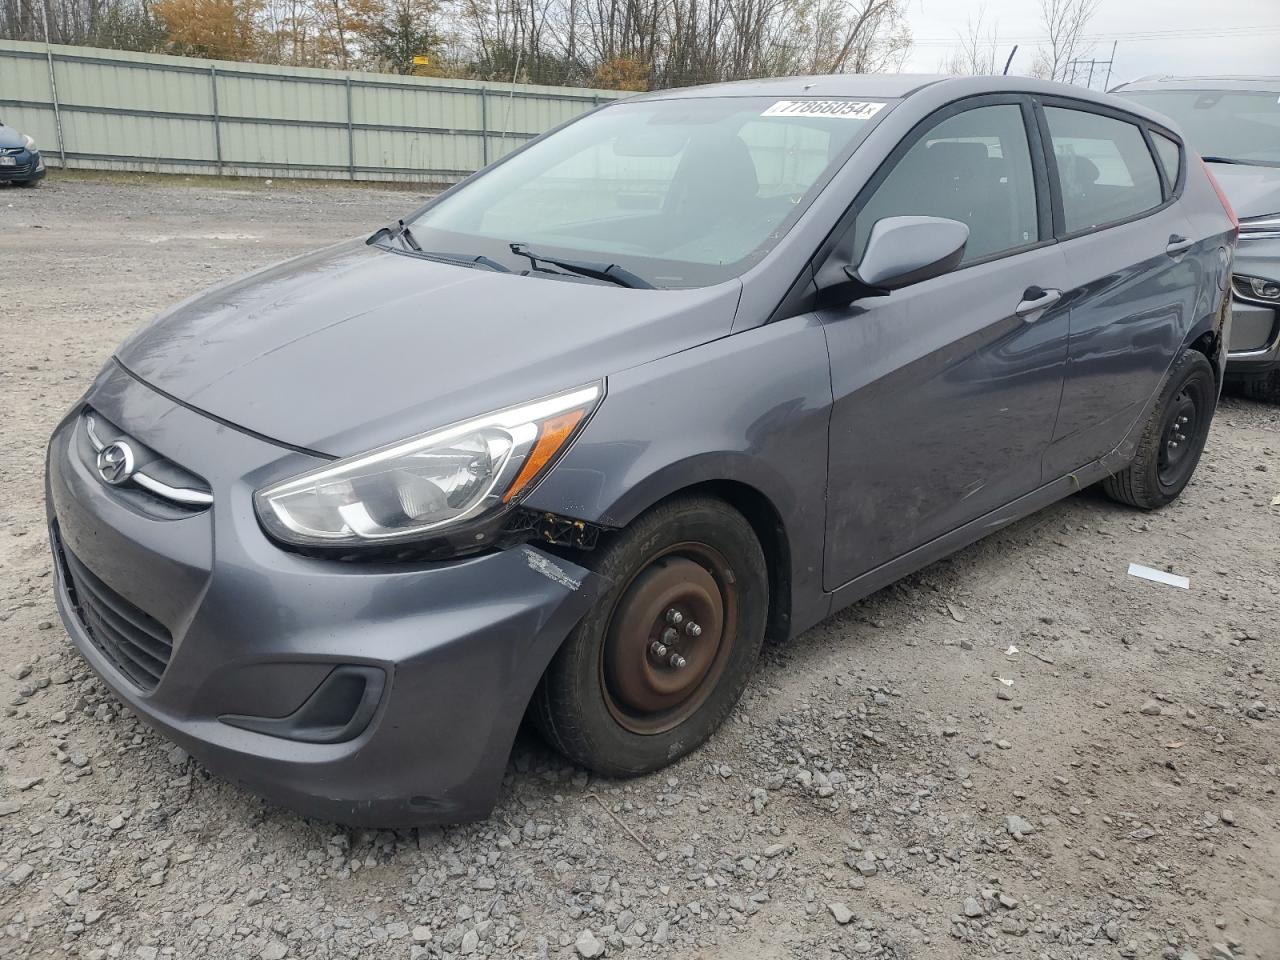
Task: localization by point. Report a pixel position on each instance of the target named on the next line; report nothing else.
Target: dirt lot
(880, 792)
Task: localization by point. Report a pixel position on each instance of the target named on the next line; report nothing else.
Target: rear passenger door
(1131, 282)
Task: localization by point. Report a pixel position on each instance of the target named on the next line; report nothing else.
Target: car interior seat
(716, 177)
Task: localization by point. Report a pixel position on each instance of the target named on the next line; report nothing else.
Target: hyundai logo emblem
(115, 462)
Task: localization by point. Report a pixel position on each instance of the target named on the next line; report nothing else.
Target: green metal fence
(114, 110)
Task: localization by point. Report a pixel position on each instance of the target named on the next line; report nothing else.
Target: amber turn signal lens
(551, 437)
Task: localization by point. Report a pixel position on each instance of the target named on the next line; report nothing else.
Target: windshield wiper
(463, 259)
(609, 272)
(401, 229)
(1243, 163)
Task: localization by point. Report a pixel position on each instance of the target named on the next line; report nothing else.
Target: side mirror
(900, 251)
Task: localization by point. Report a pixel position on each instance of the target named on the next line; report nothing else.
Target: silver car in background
(1234, 123)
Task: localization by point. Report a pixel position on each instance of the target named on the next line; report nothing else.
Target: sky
(1176, 37)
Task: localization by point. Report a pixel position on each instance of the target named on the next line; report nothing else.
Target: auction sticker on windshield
(842, 109)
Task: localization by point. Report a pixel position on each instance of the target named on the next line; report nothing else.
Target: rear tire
(1265, 387)
(608, 700)
(1173, 438)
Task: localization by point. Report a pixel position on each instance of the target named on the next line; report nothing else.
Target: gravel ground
(880, 791)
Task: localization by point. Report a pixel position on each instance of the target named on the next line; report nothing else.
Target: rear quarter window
(1170, 156)
(1105, 170)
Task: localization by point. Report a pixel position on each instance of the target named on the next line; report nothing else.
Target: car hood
(1254, 191)
(10, 137)
(354, 346)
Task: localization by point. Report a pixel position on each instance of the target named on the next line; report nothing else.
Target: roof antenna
(515, 75)
(1009, 61)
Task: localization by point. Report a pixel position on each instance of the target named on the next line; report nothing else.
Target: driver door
(946, 391)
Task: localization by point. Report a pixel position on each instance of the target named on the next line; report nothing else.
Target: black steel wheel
(1173, 438)
(1177, 457)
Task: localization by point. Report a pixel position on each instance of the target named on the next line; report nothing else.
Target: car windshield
(1235, 125)
(679, 192)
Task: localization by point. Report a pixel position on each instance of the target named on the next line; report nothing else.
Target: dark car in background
(569, 441)
(1234, 122)
(20, 161)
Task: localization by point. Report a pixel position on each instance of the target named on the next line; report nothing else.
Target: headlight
(422, 485)
(1261, 228)
(1256, 288)
(29, 142)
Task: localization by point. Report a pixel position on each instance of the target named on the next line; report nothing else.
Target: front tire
(660, 660)
(1173, 438)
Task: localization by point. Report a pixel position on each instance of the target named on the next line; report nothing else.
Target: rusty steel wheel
(661, 658)
(669, 638)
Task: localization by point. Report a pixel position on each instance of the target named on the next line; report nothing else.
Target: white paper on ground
(1159, 576)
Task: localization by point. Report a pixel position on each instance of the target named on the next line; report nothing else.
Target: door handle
(1035, 301)
(1177, 246)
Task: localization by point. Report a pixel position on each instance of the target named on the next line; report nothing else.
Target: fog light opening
(338, 710)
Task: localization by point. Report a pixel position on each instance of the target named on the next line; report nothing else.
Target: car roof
(882, 85)
(886, 85)
(898, 86)
(1223, 83)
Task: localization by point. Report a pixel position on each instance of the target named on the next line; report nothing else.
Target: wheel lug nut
(677, 661)
(692, 629)
(658, 649)
(675, 617)
(669, 636)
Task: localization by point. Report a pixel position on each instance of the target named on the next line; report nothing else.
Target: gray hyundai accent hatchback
(570, 441)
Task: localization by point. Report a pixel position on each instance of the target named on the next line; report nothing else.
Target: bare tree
(120, 24)
(977, 51)
(624, 44)
(1065, 22)
(865, 36)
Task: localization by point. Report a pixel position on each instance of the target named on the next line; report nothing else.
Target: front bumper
(27, 167)
(1255, 336)
(255, 629)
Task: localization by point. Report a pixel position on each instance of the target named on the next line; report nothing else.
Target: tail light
(1222, 197)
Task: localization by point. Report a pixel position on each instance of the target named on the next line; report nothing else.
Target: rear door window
(1105, 169)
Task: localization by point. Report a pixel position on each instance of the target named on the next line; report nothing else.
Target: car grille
(135, 643)
(21, 170)
(157, 487)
